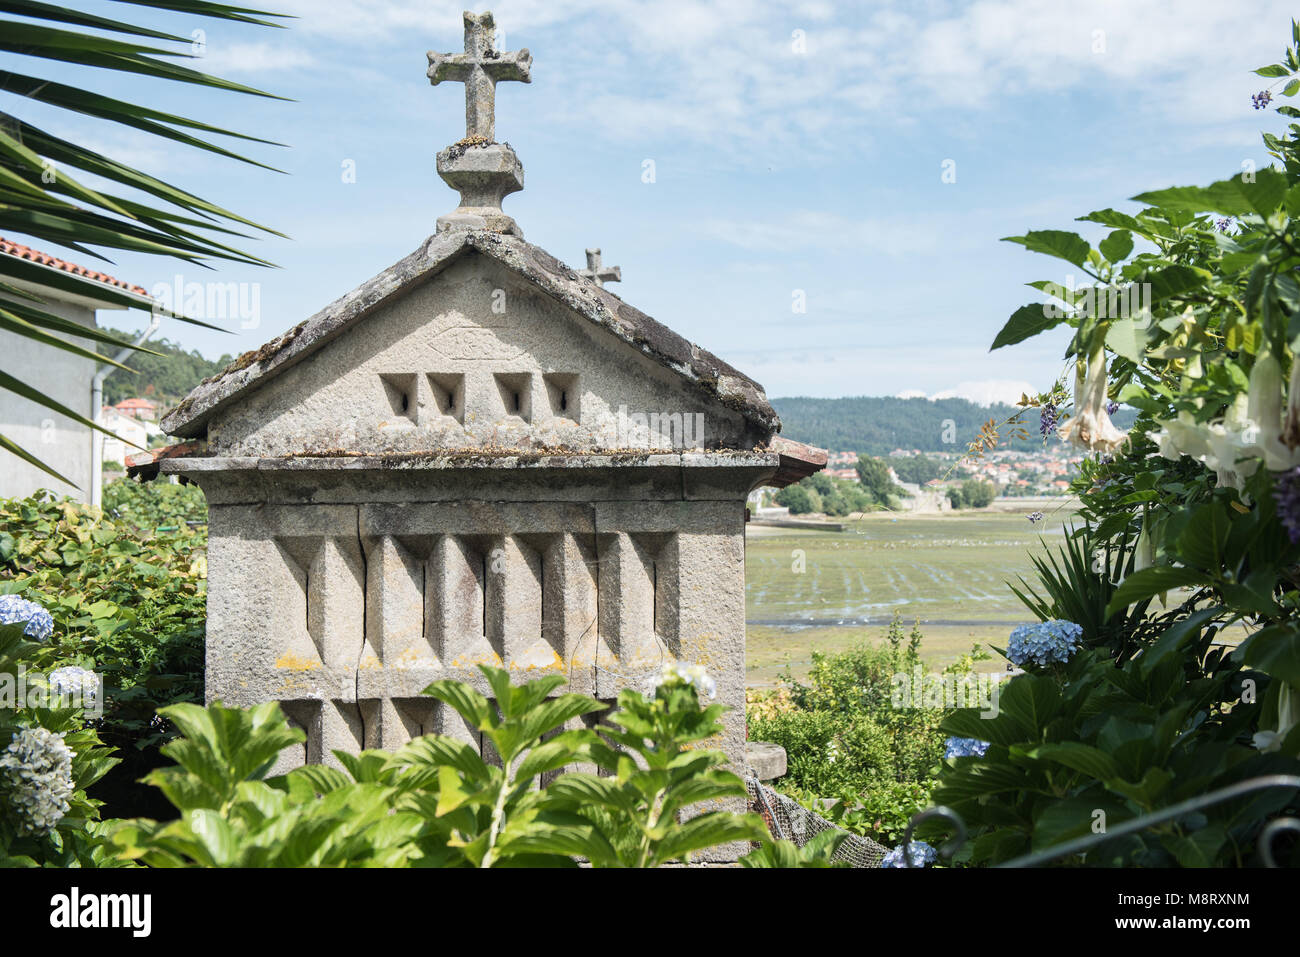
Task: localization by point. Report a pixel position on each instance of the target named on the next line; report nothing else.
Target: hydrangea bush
(49, 755)
(126, 589)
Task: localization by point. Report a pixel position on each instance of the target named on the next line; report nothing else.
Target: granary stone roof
(705, 371)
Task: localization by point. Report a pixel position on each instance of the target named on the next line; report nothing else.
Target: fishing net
(789, 820)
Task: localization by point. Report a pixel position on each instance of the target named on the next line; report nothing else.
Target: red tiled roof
(45, 259)
(136, 404)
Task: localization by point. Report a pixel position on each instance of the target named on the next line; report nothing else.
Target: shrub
(48, 759)
(845, 739)
(127, 593)
(438, 803)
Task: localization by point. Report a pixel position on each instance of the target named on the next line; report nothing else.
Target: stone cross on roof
(479, 68)
(597, 273)
(483, 171)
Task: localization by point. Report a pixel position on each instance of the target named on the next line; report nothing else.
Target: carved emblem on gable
(474, 342)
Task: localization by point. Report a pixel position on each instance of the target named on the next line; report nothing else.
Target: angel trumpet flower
(1291, 424)
(1090, 427)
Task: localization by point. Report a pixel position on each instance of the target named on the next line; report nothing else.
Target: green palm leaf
(77, 217)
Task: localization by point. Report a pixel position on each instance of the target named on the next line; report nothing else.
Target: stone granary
(478, 456)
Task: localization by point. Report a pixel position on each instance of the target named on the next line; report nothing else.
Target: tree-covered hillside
(166, 378)
(876, 425)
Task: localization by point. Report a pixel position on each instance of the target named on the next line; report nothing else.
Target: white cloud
(726, 71)
(989, 391)
(814, 229)
(253, 58)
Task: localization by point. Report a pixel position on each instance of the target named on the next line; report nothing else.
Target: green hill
(167, 378)
(876, 425)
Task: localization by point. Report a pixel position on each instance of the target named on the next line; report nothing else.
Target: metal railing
(1264, 844)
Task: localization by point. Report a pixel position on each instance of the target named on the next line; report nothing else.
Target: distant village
(1013, 474)
(134, 419)
(910, 480)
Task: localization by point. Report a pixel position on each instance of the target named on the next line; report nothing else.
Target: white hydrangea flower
(76, 682)
(36, 773)
(695, 675)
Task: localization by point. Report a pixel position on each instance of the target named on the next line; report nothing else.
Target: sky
(858, 160)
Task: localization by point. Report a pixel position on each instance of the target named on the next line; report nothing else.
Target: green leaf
(1128, 338)
(1275, 650)
(1079, 757)
(1175, 638)
(1026, 322)
(1117, 245)
(1234, 197)
(1202, 540)
(1115, 219)
(1174, 281)
(1071, 247)
(1153, 581)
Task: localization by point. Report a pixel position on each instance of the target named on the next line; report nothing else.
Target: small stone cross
(479, 68)
(597, 273)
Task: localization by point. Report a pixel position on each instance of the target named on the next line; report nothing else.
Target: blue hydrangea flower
(1044, 642)
(40, 624)
(964, 748)
(919, 852)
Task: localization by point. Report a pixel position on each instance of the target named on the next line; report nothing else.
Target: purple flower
(1286, 492)
(1048, 418)
(1112, 407)
(1223, 225)
(1035, 517)
(1261, 99)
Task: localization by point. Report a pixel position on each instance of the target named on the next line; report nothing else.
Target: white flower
(1291, 424)
(1144, 552)
(36, 771)
(695, 675)
(1288, 716)
(75, 682)
(1090, 427)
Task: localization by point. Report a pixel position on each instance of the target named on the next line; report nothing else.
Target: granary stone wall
(478, 358)
(344, 608)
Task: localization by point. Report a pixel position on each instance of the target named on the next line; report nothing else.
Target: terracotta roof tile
(45, 259)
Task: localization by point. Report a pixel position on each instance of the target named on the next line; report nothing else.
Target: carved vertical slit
(483, 584)
(654, 595)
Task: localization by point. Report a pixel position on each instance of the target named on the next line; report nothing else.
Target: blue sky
(796, 146)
